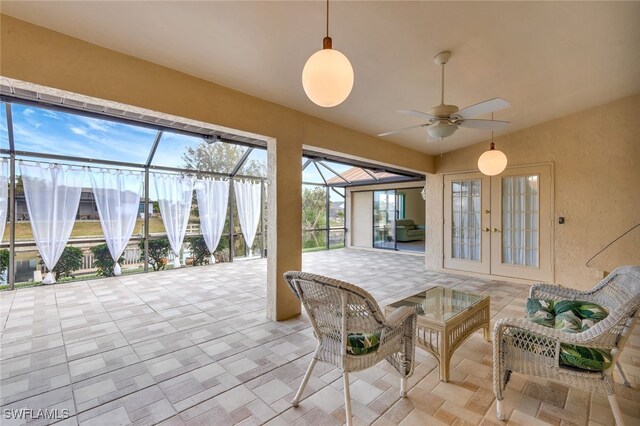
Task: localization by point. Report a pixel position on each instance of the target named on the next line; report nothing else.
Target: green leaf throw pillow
(362, 343)
(572, 316)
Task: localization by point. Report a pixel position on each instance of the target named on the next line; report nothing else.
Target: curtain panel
(4, 194)
(213, 198)
(117, 196)
(52, 193)
(174, 195)
(248, 199)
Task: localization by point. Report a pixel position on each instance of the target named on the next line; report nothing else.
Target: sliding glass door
(384, 219)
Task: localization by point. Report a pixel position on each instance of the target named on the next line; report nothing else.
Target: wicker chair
(527, 348)
(338, 311)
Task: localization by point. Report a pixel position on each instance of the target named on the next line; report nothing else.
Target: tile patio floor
(193, 347)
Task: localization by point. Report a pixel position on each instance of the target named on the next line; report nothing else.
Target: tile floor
(193, 347)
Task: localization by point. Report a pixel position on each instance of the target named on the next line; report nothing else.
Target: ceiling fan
(444, 120)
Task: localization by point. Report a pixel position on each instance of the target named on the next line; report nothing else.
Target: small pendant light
(492, 162)
(327, 77)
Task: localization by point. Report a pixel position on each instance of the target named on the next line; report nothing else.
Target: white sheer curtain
(465, 201)
(174, 197)
(53, 195)
(520, 220)
(117, 195)
(248, 199)
(4, 195)
(213, 197)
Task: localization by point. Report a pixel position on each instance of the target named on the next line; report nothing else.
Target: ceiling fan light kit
(441, 129)
(327, 77)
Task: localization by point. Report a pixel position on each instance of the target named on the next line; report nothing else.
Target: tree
(199, 250)
(103, 261)
(158, 252)
(314, 214)
(314, 208)
(220, 157)
(70, 260)
(4, 262)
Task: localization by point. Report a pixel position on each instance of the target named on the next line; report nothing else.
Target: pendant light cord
(442, 87)
(327, 18)
(492, 129)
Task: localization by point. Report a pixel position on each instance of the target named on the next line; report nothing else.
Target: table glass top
(439, 303)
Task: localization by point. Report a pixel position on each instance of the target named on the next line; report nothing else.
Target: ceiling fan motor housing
(443, 111)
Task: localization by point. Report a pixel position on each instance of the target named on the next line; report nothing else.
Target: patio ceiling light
(492, 162)
(327, 77)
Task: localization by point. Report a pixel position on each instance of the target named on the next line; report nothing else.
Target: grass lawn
(86, 228)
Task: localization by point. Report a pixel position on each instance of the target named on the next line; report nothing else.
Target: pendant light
(327, 77)
(492, 162)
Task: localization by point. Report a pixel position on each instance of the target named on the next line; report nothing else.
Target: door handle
(485, 229)
(495, 230)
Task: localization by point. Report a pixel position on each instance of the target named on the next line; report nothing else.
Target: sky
(47, 131)
(55, 132)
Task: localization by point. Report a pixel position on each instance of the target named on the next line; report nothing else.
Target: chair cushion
(572, 316)
(362, 343)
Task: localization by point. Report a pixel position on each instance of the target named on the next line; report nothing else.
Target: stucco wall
(596, 157)
(414, 205)
(360, 223)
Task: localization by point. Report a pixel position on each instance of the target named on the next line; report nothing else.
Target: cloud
(29, 111)
(78, 130)
(95, 124)
(51, 114)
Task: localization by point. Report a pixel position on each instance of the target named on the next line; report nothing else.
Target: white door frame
(547, 275)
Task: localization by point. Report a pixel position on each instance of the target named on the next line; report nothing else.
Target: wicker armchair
(527, 348)
(342, 313)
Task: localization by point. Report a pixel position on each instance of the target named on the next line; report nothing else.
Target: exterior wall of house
(80, 67)
(360, 220)
(596, 158)
(360, 207)
(414, 205)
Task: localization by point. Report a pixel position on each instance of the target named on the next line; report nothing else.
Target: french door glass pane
(465, 219)
(520, 236)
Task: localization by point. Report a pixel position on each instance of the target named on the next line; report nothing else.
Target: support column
(284, 235)
(145, 225)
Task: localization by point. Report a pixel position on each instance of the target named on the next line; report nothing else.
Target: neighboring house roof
(356, 174)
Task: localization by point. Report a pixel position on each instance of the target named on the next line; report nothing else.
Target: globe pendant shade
(327, 78)
(492, 162)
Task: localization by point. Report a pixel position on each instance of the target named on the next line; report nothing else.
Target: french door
(500, 225)
(466, 243)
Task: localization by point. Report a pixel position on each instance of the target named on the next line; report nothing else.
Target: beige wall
(596, 157)
(414, 205)
(37, 55)
(360, 211)
(360, 223)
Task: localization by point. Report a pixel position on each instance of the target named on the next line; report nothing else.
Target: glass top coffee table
(446, 318)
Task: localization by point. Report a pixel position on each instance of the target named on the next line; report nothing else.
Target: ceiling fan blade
(484, 124)
(485, 107)
(402, 130)
(418, 113)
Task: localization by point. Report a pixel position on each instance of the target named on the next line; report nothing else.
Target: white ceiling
(548, 59)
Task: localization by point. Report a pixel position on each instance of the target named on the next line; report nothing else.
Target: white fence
(131, 255)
